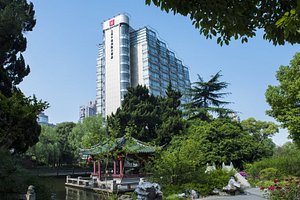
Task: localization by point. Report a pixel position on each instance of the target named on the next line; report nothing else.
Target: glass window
(153, 59)
(145, 64)
(124, 58)
(125, 76)
(124, 41)
(124, 50)
(146, 81)
(124, 85)
(165, 76)
(124, 29)
(154, 92)
(151, 33)
(124, 67)
(144, 47)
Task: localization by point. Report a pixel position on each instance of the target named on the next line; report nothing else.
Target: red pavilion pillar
(94, 163)
(121, 167)
(115, 168)
(99, 169)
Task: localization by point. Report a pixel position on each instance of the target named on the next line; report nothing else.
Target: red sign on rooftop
(112, 22)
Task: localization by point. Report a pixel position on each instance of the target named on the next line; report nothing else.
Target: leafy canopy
(46, 151)
(87, 133)
(237, 19)
(284, 99)
(18, 125)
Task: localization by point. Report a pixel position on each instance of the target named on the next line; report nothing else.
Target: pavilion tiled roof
(124, 144)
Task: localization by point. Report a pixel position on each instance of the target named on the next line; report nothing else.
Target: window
(151, 33)
(124, 29)
(153, 59)
(124, 68)
(163, 61)
(124, 59)
(124, 42)
(124, 85)
(164, 68)
(124, 50)
(144, 48)
(125, 76)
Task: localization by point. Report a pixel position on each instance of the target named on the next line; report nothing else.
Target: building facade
(43, 119)
(129, 57)
(88, 110)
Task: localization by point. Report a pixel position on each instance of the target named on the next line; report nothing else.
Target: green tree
(224, 140)
(284, 99)
(63, 130)
(206, 98)
(138, 108)
(47, 149)
(239, 19)
(171, 117)
(179, 163)
(18, 127)
(87, 133)
(16, 18)
(261, 132)
(148, 118)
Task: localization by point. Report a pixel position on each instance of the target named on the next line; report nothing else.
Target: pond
(62, 192)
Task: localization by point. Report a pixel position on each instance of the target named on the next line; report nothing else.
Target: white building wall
(111, 29)
(112, 79)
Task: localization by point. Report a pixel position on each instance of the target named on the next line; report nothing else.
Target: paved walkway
(251, 194)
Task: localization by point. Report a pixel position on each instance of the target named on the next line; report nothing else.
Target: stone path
(251, 194)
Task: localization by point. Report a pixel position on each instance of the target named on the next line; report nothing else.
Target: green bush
(286, 163)
(15, 179)
(203, 184)
(269, 174)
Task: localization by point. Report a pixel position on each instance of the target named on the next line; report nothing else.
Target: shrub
(15, 179)
(288, 189)
(203, 184)
(269, 174)
(287, 163)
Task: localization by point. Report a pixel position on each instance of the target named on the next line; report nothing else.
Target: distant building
(44, 119)
(129, 57)
(88, 110)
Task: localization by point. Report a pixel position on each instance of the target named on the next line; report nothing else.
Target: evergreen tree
(16, 18)
(206, 98)
(138, 108)
(171, 117)
(148, 118)
(18, 126)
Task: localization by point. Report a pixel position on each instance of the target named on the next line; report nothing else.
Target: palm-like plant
(205, 98)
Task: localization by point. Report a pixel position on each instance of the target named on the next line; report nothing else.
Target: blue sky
(62, 51)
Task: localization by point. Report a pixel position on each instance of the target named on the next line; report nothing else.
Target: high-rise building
(129, 57)
(43, 119)
(88, 110)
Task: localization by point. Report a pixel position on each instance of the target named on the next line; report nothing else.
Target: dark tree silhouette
(205, 98)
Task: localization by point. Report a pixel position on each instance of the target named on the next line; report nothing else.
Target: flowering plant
(286, 189)
(244, 174)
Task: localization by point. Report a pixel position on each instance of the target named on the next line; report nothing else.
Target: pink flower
(276, 181)
(271, 187)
